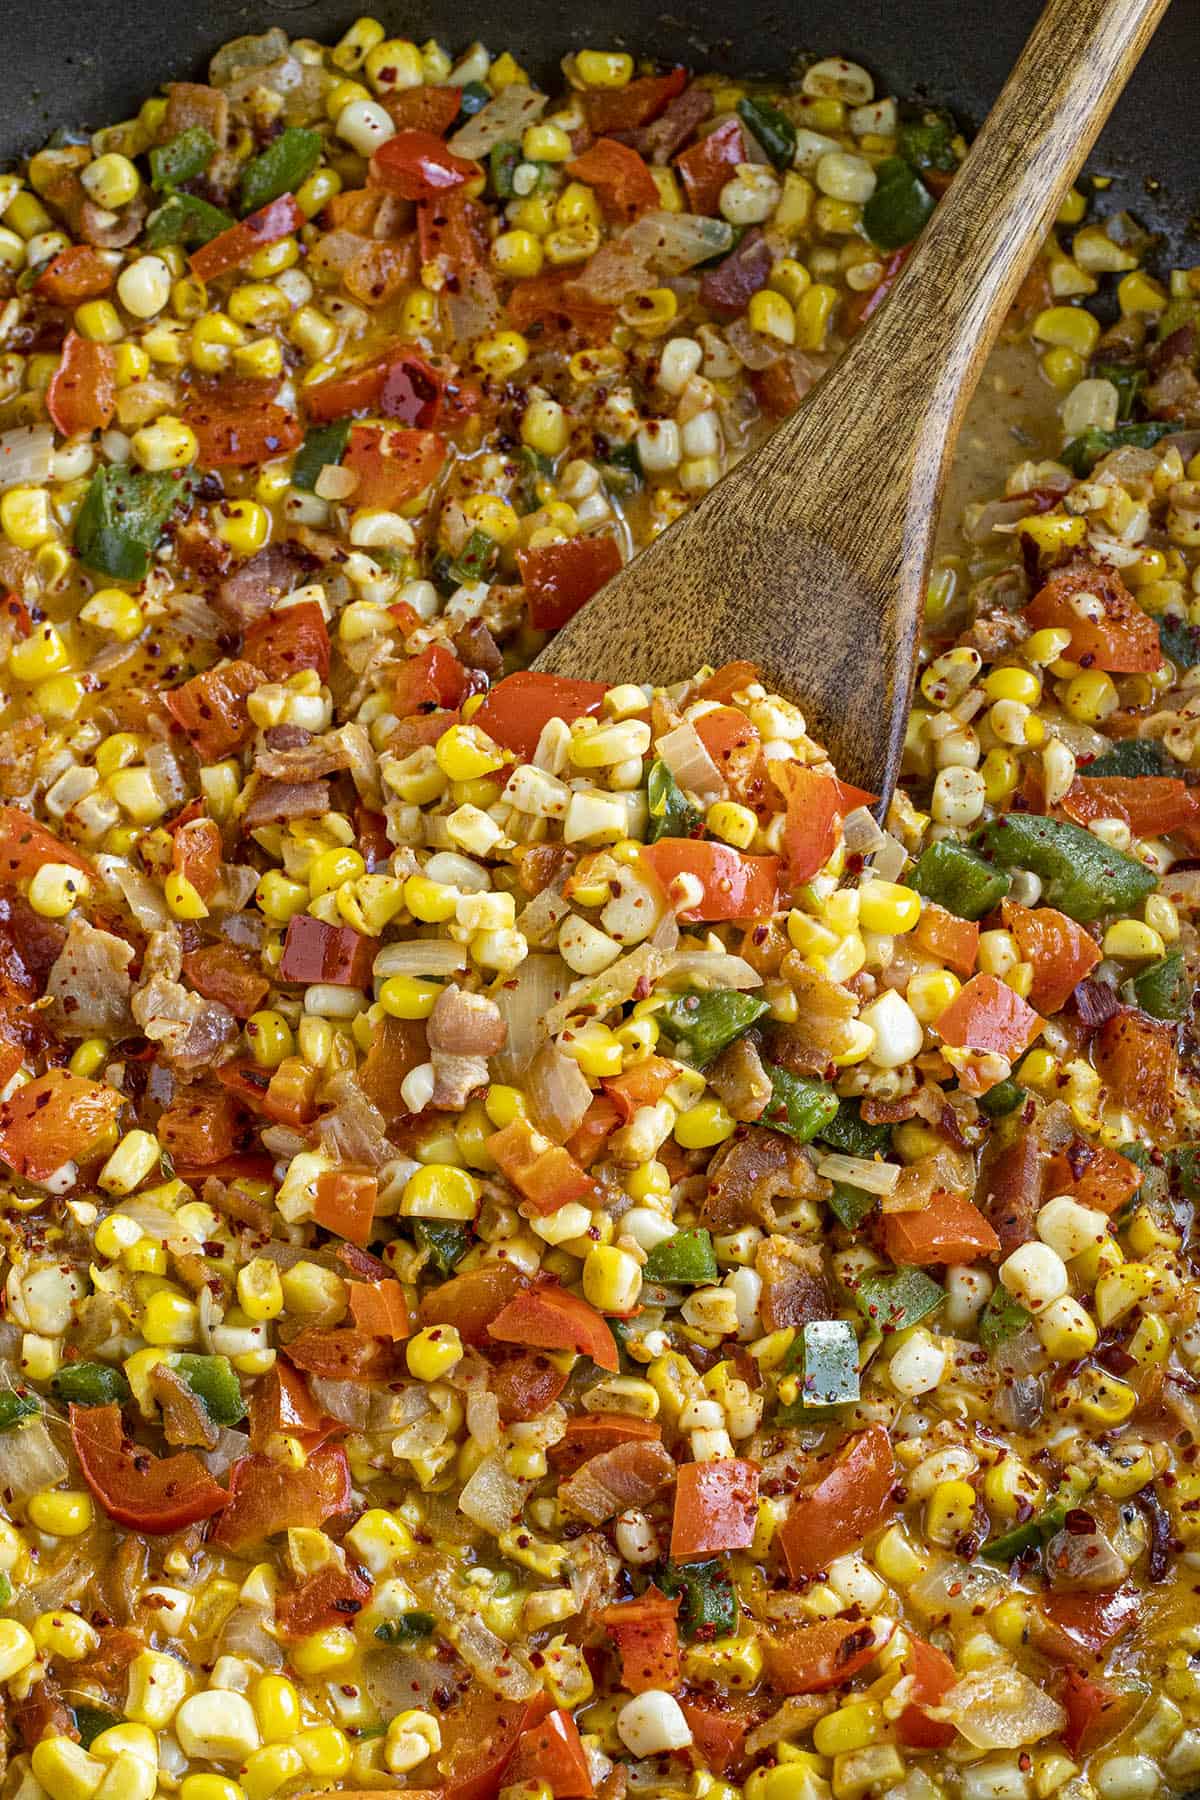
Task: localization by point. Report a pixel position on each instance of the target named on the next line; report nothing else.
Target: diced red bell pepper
(597, 1125)
(637, 103)
(620, 176)
(452, 231)
(239, 428)
(560, 578)
(930, 1675)
(152, 1494)
(346, 1355)
(196, 851)
(547, 1317)
(718, 1732)
(736, 749)
(230, 976)
(470, 1302)
(1093, 1176)
(330, 1596)
(278, 219)
(334, 954)
(290, 639)
(200, 1127)
(82, 395)
(986, 1014)
(1151, 805)
(813, 826)
(398, 383)
(716, 1508)
(25, 846)
(55, 1119)
(78, 273)
(642, 1085)
(948, 1230)
(730, 679)
(380, 1309)
(811, 1659)
(552, 1752)
(556, 303)
(211, 708)
(281, 1403)
(424, 108)
(1061, 952)
(393, 467)
(544, 1174)
(371, 836)
(647, 1638)
(952, 940)
(1136, 1057)
(345, 1202)
(707, 165)
(517, 708)
(735, 886)
(845, 1503)
(593, 1433)
(1123, 639)
(479, 1741)
(1092, 1621)
(1093, 1710)
(432, 679)
(418, 166)
(266, 1497)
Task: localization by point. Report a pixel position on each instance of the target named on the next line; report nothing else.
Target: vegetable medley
(548, 1254)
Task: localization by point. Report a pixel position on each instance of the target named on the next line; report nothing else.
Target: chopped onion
(193, 616)
(64, 1586)
(483, 1418)
(956, 1590)
(657, 245)
(474, 305)
(713, 969)
(26, 454)
(998, 1708)
(228, 1449)
(524, 1001)
(492, 1497)
(143, 898)
(544, 914)
(244, 1636)
(349, 1402)
(29, 1461)
(994, 515)
(890, 858)
(558, 1092)
(492, 1659)
(514, 107)
(862, 832)
(598, 994)
(753, 349)
(684, 753)
(355, 1131)
(860, 1172)
(420, 956)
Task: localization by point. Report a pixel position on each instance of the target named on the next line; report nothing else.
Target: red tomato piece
(735, 886)
(593, 1131)
(54, 1119)
(730, 679)
(547, 1317)
(266, 1496)
(290, 639)
(637, 103)
(811, 1659)
(418, 166)
(393, 467)
(987, 1015)
(76, 274)
(642, 1085)
(334, 954)
(82, 395)
(647, 1638)
(517, 708)
(1093, 1176)
(1061, 952)
(545, 1174)
(1136, 1056)
(560, 578)
(346, 1355)
(433, 679)
(552, 1752)
(345, 1202)
(620, 176)
(211, 708)
(555, 302)
(718, 1733)
(424, 108)
(470, 1302)
(380, 1309)
(25, 846)
(706, 166)
(948, 1230)
(151, 1494)
(480, 1739)
(930, 1675)
(850, 1499)
(278, 219)
(330, 1596)
(716, 1507)
(452, 230)
(1092, 1621)
(952, 940)
(281, 1402)
(239, 428)
(200, 1127)
(1151, 805)
(813, 825)
(861, 307)
(1093, 1711)
(411, 392)
(1122, 639)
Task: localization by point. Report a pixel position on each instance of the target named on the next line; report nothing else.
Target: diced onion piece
(26, 455)
(859, 1172)
(505, 117)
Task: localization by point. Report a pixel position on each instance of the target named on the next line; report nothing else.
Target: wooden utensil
(810, 557)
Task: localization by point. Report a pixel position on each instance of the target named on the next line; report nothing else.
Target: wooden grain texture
(810, 558)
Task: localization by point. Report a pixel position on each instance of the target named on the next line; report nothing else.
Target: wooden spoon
(810, 557)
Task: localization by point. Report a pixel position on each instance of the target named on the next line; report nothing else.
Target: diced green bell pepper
(848, 1132)
(324, 447)
(773, 129)
(801, 1108)
(850, 1204)
(926, 139)
(1131, 756)
(1042, 1527)
(280, 169)
(706, 1022)
(90, 1721)
(446, 1244)
(123, 515)
(686, 1258)
(90, 1384)
(214, 1382)
(1002, 1318)
(1183, 1166)
(824, 1354)
(475, 559)
(894, 1302)
(1128, 379)
(503, 163)
(955, 878)
(671, 812)
(1179, 640)
(1080, 875)
(409, 1629)
(473, 99)
(1004, 1098)
(185, 219)
(1163, 989)
(709, 1607)
(15, 1407)
(182, 159)
(1083, 452)
(899, 207)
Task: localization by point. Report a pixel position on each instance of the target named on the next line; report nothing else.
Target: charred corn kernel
(170, 1319)
(56, 888)
(950, 1513)
(166, 444)
(183, 900)
(114, 611)
(27, 521)
(135, 1158)
(814, 309)
(242, 524)
(99, 321)
(733, 823)
(279, 898)
(1067, 328)
(433, 1352)
(276, 1704)
(604, 68)
(260, 1290)
(852, 1727)
(330, 868)
(1138, 293)
(772, 315)
(886, 907)
(502, 354)
(406, 997)
(1131, 941)
(1091, 696)
(703, 1125)
(62, 1512)
(518, 254)
(612, 1279)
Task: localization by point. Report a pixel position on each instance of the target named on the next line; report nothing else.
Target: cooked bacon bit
(468, 1025)
(752, 1171)
(629, 1475)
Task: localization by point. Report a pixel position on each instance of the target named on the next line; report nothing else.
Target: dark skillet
(76, 63)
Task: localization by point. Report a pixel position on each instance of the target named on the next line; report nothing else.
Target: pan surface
(83, 66)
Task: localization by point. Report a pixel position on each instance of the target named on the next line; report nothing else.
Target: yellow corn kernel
(546, 143)
(1103, 1399)
(544, 427)
(1067, 328)
(166, 444)
(888, 908)
(814, 310)
(502, 354)
(61, 1512)
(604, 68)
(440, 1191)
(99, 321)
(950, 1513)
(65, 1769)
(852, 1727)
(27, 521)
(276, 1704)
(1131, 941)
(930, 992)
(703, 1125)
(280, 898)
(114, 611)
(1138, 293)
(733, 1662)
(517, 254)
(772, 315)
(790, 278)
(326, 1650)
(652, 313)
(170, 1319)
(183, 900)
(406, 997)
(330, 868)
(464, 754)
(56, 888)
(242, 524)
(732, 823)
(1091, 696)
(433, 1352)
(65, 1634)
(1000, 771)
